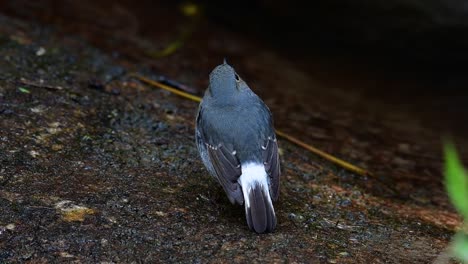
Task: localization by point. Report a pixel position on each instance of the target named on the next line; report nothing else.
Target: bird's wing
(224, 162)
(272, 165)
(228, 170)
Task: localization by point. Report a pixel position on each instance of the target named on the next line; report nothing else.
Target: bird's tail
(259, 209)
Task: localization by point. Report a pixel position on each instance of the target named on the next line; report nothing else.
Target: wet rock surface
(97, 167)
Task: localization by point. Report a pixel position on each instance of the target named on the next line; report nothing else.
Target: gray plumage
(237, 143)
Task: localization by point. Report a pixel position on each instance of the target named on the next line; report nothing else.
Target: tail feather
(259, 210)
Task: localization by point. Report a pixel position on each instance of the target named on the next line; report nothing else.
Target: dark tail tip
(260, 213)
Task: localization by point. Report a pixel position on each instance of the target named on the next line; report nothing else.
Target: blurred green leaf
(456, 180)
(171, 48)
(23, 90)
(460, 247)
(190, 9)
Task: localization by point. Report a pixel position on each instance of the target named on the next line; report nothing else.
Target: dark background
(424, 42)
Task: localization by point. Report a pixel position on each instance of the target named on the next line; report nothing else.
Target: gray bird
(237, 143)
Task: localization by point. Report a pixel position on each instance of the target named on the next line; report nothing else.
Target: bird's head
(224, 81)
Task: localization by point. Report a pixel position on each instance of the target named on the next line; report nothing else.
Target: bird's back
(243, 126)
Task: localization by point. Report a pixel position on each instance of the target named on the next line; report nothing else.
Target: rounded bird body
(237, 144)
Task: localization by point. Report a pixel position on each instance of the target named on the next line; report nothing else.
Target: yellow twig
(294, 140)
(167, 88)
(324, 155)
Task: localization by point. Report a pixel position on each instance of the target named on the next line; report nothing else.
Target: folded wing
(272, 165)
(228, 170)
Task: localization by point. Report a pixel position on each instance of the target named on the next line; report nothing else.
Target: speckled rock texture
(96, 167)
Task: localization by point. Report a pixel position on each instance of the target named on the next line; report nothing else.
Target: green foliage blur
(456, 182)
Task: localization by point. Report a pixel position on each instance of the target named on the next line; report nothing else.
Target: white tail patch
(253, 174)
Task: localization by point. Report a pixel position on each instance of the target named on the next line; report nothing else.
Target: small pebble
(344, 203)
(159, 213)
(72, 212)
(38, 109)
(41, 51)
(66, 255)
(112, 219)
(57, 147)
(34, 153)
(104, 242)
